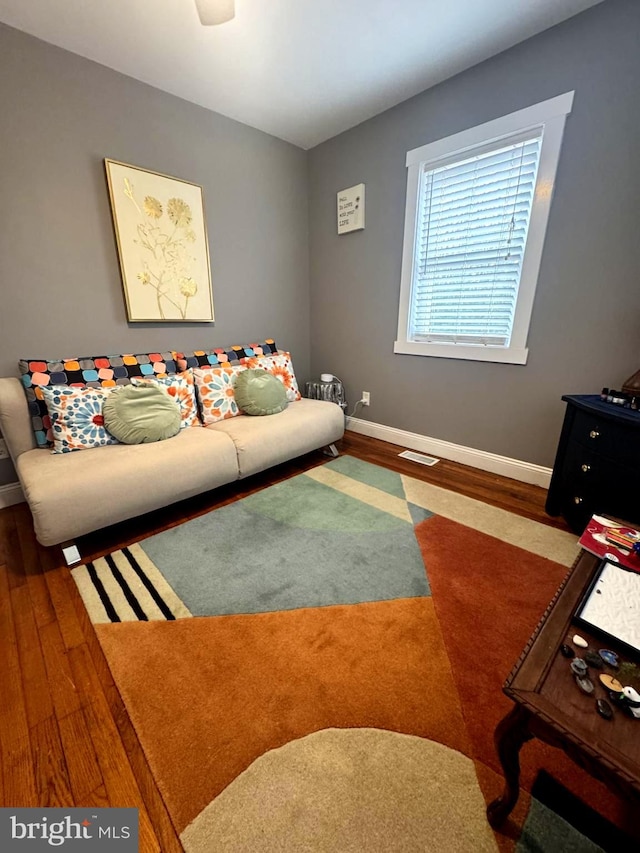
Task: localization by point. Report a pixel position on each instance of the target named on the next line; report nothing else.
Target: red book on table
(612, 541)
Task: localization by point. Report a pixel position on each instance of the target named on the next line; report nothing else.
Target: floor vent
(418, 457)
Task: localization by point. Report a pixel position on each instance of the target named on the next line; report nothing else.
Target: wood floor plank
(6, 518)
(17, 759)
(84, 772)
(30, 566)
(162, 824)
(61, 684)
(61, 586)
(85, 675)
(53, 788)
(12, 558)
(98, 660)
(98, 798)
(19, 785)
(27, 544)
(119, 781)
(39, 705)
(89, 684)
(43, 609)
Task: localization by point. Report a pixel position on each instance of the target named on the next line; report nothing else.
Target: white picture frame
(350, 209)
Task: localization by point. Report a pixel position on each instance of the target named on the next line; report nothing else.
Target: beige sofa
(70, 494)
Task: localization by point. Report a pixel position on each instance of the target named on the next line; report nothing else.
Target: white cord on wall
(330, 377)
(359, 403)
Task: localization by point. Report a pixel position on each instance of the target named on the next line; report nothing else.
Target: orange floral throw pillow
(280, 365)
(182, 388)
(216, 396)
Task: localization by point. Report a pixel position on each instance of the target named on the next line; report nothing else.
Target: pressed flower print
(162, 245)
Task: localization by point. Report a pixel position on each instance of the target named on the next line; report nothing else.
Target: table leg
(511, 733)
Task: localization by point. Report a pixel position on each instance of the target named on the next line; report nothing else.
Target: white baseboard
(10, 494)
(526, 472)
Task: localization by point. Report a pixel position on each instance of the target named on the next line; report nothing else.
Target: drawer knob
(594, 433)
(577, 500)
(585, 468)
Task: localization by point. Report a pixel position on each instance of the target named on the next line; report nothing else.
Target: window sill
(503, 355)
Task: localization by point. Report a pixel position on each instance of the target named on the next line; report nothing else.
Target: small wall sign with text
(351, 209)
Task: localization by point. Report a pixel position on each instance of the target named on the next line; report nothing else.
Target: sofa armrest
(15, 421)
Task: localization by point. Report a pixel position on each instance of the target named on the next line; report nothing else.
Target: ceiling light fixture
(213, 12)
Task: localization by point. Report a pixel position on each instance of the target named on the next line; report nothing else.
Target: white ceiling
(303, 70)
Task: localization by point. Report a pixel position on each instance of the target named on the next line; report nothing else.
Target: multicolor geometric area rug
(318, 666)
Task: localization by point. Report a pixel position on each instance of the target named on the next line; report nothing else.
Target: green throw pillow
(136, 414)
(259, 393)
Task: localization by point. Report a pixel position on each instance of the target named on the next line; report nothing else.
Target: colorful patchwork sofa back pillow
(223, 356)
(104, 371)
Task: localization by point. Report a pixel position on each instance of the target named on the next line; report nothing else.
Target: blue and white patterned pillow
(76, 417)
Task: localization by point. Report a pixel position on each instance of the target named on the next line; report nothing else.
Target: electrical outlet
(4, 453)
(366, 398)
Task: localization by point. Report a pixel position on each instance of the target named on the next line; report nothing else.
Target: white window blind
(471, 232)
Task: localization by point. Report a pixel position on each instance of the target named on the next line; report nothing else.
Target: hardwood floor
(65, 737)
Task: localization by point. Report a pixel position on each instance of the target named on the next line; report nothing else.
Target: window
(476, 214)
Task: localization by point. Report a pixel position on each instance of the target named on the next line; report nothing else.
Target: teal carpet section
(380, 478)
(253, 556)
(418, 513)
(545, 831)
(307, 505)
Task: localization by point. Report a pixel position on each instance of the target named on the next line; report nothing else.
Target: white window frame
(547, 116)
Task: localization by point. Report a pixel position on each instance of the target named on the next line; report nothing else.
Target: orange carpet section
(210, 695)
(489, 596)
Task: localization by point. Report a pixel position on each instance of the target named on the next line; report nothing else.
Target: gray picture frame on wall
(163, 249)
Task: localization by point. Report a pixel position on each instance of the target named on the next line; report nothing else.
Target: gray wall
(60, 284)
(585, 329)
(60, 116)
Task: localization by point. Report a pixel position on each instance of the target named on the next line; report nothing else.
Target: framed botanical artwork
(161, 234)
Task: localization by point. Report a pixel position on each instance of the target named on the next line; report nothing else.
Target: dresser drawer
(592, 483)
(578, 505)
(583, 468)
(597, 467)
(602, 436)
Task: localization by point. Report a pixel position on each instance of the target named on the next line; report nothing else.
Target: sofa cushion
(302, 427)
(223, 356)
(259, 393)
(281, 366)
(89, 371)
(182, 388)
(215, 391)
(141, 414)
(77, 419)
(75, 493)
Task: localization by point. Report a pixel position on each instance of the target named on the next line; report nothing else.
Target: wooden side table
(550, 706)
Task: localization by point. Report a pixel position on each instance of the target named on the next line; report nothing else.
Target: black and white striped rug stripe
(126, 586)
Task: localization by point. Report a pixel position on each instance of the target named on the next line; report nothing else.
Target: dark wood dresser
(597, 467)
